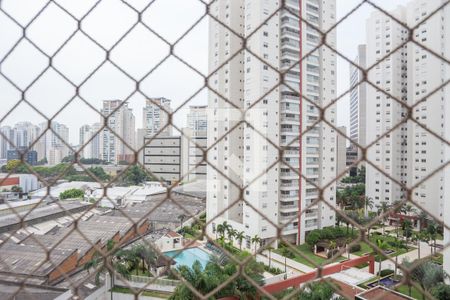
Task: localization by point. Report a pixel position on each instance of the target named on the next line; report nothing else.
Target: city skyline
(159, 83)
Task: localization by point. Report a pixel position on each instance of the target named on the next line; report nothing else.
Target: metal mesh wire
(106, 254)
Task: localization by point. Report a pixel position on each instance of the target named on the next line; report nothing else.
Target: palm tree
(231, 234)
(407, 231)
(317, 291)
(382, 245)
(382, 209)
(417, 237)
(181, 217)
(432, 231)
(109, 263)
(368, 203)
(256, 240)
(220, 230)
(240, 237)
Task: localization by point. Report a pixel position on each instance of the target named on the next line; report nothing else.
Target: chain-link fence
(124, 239)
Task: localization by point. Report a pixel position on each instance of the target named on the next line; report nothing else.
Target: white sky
(137, 53)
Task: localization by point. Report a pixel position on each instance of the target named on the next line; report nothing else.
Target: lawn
(306, 251)
(404, 289)
(155, 294)
(366, 248)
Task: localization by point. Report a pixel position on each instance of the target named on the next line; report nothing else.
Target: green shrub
(72, 194)
(385, 272)
(355, 248)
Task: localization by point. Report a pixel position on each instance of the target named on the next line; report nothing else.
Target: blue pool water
(189, 256)
(387, 282)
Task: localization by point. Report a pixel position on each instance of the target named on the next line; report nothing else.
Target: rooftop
(381, 293)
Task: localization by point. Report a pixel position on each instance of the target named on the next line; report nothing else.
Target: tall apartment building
(53, 142)
(358, 99)
(6, 136)
(243, 155)
(23, 135)
(427, 72)
(90, 141)
(341, 151)
(410, 153)
(383, 112)
(119, 133)
(197, 119)
(156, 116)
(447, 170)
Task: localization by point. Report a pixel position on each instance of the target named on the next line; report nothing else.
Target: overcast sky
(137, 53)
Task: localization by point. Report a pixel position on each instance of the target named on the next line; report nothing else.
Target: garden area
(330, 241)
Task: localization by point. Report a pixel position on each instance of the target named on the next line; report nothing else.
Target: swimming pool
(189, 256)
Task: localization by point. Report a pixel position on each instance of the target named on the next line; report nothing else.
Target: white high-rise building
(426, 72)
(245, 156)
(5, 145)
(358, 99)
(410, 153)
(54, 141)
(383, 113)
(197, 119)
(89, 140)
(156, 116)
(119, 133)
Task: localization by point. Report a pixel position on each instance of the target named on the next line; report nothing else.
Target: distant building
(162, 157)
(90, 141)
(341, 147)
(120, 131)
(28, 182)
(53, 142)
(156, 116)
(22, 135)
(193, 147)
(197, 120)
(358, 99)
(30, 156)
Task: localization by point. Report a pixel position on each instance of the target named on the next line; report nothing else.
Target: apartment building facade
(117, 139)
(90, 141)
(273, 192)
(156, 116)
(426, 73)
(413, 75)
(389, 153)
(358, 99)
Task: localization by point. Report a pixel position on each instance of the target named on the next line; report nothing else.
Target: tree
(68, 159)
(71, 194)
(317, 291)
(368, 203)
(16, 189)
(441, 291)
(109, 263)
(15, 166)
(382, 245)
(432, 230)
(256, 240)
(221, 231)
(427, 274)
(207, 279)
(407, 231)
(135, 175)
(181, 217)
(100, 173)
(240, 237)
